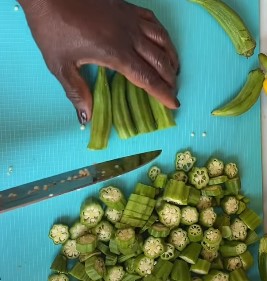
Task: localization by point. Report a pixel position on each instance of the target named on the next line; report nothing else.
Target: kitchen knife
(29, 193)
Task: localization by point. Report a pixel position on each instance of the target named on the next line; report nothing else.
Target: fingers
(158, 34)
(143, 75)
(158, 59)
(76, 90)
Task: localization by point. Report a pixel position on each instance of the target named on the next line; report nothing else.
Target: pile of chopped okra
(192, 224)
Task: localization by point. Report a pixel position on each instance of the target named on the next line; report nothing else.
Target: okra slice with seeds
(230, 205)
(59, 233)
(58, 277)
(112, 197)
(160, 181)
(143, 265)
(169, 252)
(212, 236)
(208, 255)
(247, 260)
(113, 215)
(125, 237)
(176, 192)
(195, 233)
(216, 275)
(215, 167)
(199, 177)
(86, 243)
(153, 172)
(95, 267)
(189, 215)
(231, 170)
(69, 249)
(59, 264)
(153, 247)
(200, 267)
(77, 230)
(184, 161)
(207, 217)
(169, 215)
(204, 202)
(114, 273)
(191, 253)
(180, 271)
(232, 263)
(179, 176)
(238, 229)
(103, 231)
(179, 239)
(91, 213)
(232, 249)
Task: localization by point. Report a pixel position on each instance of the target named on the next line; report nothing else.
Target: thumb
(77, 91)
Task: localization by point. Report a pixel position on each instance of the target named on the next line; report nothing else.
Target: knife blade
(43, 189)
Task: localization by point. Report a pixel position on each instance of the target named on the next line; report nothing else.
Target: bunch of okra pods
(192, 224)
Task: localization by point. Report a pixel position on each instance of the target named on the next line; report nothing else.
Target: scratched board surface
(40, 136)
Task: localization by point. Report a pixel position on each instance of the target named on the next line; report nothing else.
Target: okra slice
(145, 190)
(78, 271)
(77, 230)
(59, 233)
(179, 176)
(176, 192)
(232, 263)
(122, 119)
(86, 243)
(133, 222)
(135, 215)
(145, 200)
(218, 180)
(233, 186)
(101, 122)
(84, 256)
(179, 239)
(131, 277)
(247, 260)
(189, 215)
(69, 249)
(95, 267)
(191, 253)
(199, 177)
(238, 274)
(153, 172)
(215, 167)
(112, 197)
(140, 109)
(143, 265)
(160, 181)
(207, 217)
(103, 231)
(125, 237)
(180, 271)
(139, 207)
(204, 202)
(200, 267)
(59, 264)
(209, 255)
(184, 161)
(113, 246)
(252, 237)
(250, 218)
(113, 215)
(114, 273)
(230, 205)
(195, 233)
(216, 275)
(232, 249)
(159, 230)
(162, 269)
(152, 219)
(153, 247)
(58, 277)
(129, 265)
(238, 229)
(169, 215)
(194, 196)
(231, 170)
(226, 232)
(91, 213)
(212, 190)
(111, 259)
(169, 252)
(212, 236)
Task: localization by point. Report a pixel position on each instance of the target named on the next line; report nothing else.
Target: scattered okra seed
(10, 170)
(192, 134)
(51, 195)
(204, 134)
(82, 127)
(16, 8)
(12, 195)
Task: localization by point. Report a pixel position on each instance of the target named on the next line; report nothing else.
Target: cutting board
(40, 135)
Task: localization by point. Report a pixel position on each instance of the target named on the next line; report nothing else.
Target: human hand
(109, 33)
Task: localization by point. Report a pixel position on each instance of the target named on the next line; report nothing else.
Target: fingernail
(177, 103)
(82, 116)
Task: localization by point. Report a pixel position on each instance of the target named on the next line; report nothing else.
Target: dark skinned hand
(110, 33)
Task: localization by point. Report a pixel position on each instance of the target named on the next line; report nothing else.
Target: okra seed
(16, 8)
(10, 170)
(11, 195)
(51, 195)
(192, 134)
(36, 187)
(82, 127)
(69, 178)
(117, 166)
(204, 134)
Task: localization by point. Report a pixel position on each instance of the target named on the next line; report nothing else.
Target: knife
(39, 190)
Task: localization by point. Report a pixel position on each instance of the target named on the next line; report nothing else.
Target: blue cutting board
(40, 136)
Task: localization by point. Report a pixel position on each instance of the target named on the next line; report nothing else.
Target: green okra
(101, 122)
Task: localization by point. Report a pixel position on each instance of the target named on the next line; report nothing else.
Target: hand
(110, 33)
